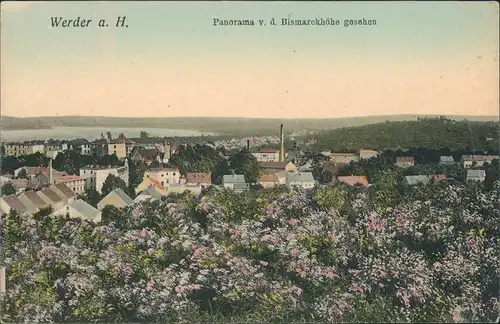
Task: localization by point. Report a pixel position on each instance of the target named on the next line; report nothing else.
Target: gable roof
(14, 203)
(479, 157)
(20, 183)
(120, 194)
(273, 165)
(192, 177)
(354, 180)
(85, 208)
(233, 178)
(35, 199)
(51, 195)
(300, 176)
(65, 190)
(414, 179)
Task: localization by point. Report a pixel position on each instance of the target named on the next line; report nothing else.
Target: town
(161, 168)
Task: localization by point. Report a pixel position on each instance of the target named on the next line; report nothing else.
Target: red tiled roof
(405, 159)
(354, 180)
(193, 178)
(156, 183)
(269, 177)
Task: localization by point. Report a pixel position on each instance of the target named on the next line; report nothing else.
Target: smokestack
(50, 171)
(282, 145)
(248, 144)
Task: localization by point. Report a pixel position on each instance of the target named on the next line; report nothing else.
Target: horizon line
(234, 117)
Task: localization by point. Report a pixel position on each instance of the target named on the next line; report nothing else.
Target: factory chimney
(248, 145)
(282, 145)
(50, 172)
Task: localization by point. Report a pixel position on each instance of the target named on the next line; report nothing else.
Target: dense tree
(9, 164)
(433, 134)
(197, 158)
(109, 160)
(273, 255)
(8, 189)
(245, 163)
(135, 172)
(113, 182)
(492, 173)
(91, 196)
(35, 160)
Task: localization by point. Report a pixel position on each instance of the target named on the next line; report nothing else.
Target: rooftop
(354, 180)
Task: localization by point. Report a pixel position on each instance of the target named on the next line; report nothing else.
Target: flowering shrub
(268, 255)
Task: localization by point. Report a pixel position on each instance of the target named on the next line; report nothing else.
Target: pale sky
(420, 58)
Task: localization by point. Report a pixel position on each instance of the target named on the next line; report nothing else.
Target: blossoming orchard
(336, 254)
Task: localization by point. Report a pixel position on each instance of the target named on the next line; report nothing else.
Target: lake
(91, 133)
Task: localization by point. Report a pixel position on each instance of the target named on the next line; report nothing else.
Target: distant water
(91, 133)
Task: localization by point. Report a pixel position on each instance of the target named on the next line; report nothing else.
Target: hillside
(234, 126)
(428, 133)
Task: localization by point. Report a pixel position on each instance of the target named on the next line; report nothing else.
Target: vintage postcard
(249, 162)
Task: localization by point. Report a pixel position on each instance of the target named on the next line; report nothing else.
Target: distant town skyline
(429, 58)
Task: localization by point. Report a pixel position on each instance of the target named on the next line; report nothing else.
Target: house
(63, 191)
(269, 180)
(94, 176)
(32, 197)
(281, 177)
(333, 168)
(97, 148)
(271, 167)
(405, 161)
(468, 161)
(33, 172)
(416, 179)
(52, 150)
(367, 154)
(303, 180)
(146, 156)
(149, 194)
(22, 184)
(265, 154)
(116, 198)
(20, 149)
(74, 182)
(81, 209)
(202, 179)
(354, 180)
(166, 176)
(55, 201)
(180, 188)
(148, 182)
(12, 202)
(435, 178)
(119, 145)
(344, 157)
(235, 182)
(476, 175)
(446, 160)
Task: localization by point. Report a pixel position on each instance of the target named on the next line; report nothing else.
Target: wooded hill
(430, 133)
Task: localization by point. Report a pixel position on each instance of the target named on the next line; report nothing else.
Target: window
(114, 147)
(163, 183)
(173, 173)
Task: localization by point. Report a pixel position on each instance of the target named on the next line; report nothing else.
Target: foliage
(437, 133)
(243, 162)
(326, 255)
(113, 182)
(197, 158)
(8, 189)
(91, 196)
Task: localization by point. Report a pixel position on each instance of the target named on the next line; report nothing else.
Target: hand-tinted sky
(421, 58)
